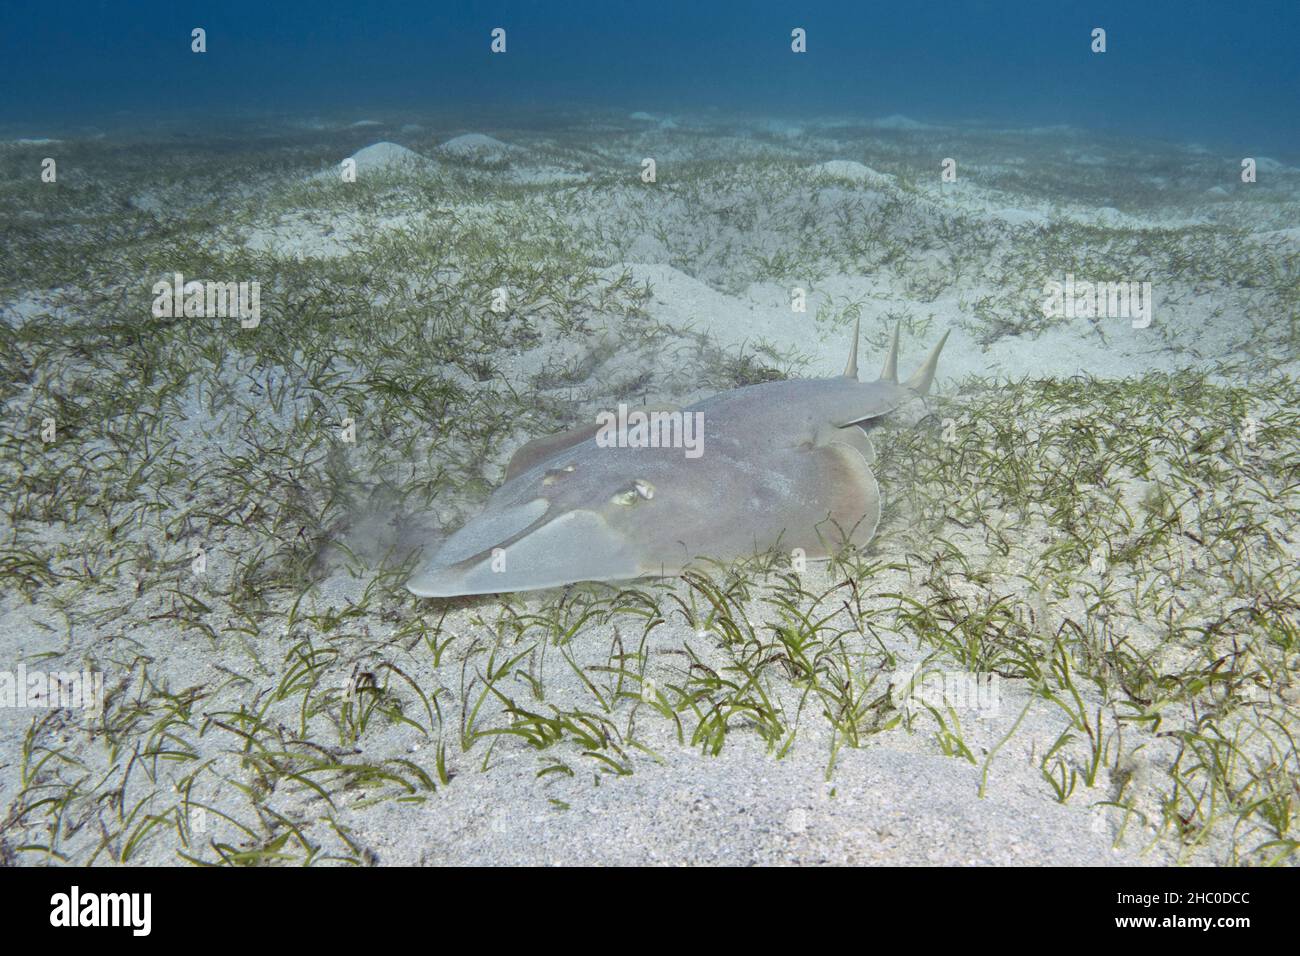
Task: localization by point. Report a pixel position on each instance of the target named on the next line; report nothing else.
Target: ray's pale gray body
(783, 464)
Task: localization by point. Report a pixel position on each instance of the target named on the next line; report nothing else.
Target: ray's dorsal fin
(923, 376)
(890, 372)
(851, 369)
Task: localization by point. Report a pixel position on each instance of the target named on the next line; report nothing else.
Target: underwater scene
(693, 434)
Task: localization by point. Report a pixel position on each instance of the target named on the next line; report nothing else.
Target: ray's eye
(641, 489)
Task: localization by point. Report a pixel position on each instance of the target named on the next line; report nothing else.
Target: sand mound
(664, 122)
(898, 121)
(853, 171)
(478, 148)
(382, 157)
(387, 156)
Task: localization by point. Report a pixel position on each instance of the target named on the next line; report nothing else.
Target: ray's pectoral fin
(576, 546)
(547, 447)
(543, 449)
(847, 491)
(851, 435)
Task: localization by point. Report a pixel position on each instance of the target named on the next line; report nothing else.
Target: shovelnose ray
(778, 464)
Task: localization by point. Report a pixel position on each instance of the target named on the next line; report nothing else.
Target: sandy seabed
(1090, 522)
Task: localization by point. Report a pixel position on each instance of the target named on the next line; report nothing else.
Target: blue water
(1218, 73)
